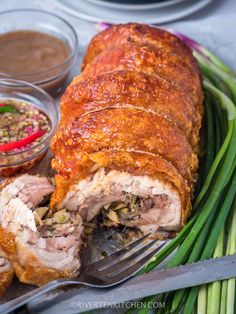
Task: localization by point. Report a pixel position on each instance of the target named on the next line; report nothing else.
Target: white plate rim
(135, 7)
(196, 7)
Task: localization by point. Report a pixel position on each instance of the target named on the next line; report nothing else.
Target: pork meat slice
(54, 243)
(158, 204)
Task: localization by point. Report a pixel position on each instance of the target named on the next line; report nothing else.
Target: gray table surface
(213, 26)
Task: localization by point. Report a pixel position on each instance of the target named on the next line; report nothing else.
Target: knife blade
(141, 286)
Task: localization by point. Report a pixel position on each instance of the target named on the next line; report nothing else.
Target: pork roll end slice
(42, 247)
(119, 34)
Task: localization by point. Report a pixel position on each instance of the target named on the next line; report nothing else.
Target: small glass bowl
(23, 91)
(54, 79)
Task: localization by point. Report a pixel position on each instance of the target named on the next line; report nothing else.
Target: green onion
(195, 253)
(231, 249)
(214, 300)
(229, 106)
(209, 295)
(223, 304)
(210, 135)
(229, 154)
(215, 231)
(202, 300)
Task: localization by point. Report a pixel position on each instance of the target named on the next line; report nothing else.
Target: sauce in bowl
(22, 126)
(23, 52)
(24, 129)
(35, 57)
(28, 120)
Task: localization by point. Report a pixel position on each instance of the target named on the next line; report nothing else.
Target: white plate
(124, 6)
(95, 13)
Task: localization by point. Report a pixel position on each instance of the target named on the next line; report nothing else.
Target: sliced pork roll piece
(127, 129)
(130, 89)
(6, 275)
(41, 246)
(128, 188)
(148, 59)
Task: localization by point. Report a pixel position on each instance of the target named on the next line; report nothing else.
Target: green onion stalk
(232, 250)
(204, 235)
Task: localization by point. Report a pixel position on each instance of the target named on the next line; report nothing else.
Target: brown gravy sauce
(28, 52)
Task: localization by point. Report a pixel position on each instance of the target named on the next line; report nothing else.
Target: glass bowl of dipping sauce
(38, 47)
(27, 123)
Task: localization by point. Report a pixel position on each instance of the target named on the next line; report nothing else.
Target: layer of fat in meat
(15, 214)
(18, 198)
(57, 259)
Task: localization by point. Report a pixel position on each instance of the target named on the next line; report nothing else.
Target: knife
(155, 282)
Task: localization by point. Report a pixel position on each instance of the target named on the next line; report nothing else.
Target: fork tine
(123, 262)
(131, 270)
(108, 259)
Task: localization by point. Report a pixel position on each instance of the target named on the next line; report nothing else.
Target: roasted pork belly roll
(130, 89)
(6, 275)
(41, 246)
(148, 59)
(127, 143)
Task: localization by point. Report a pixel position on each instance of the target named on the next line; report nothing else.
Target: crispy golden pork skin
(6, 275)
(129, 132)
(129, 129)
(130, 89)
(148, 59)
(117, 35)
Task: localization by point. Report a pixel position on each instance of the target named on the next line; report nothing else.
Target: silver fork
(105, 273)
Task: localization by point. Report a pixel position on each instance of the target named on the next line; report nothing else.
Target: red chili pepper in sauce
(25, 141)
